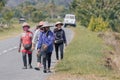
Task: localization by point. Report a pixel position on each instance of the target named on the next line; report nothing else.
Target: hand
(33, 48)
(45, 46)
(19, 50)
(38, 51)
(55, 41)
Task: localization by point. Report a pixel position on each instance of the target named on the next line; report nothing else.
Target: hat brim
(58, 24)
(26, 26)
(46, 26)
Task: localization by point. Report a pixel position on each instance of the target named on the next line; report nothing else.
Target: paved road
(11, 61)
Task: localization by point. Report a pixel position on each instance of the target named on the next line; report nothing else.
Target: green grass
(84, 55)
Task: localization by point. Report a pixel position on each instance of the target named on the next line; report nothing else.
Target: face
(26, 28)
(42, 29)
(46, 29)
(59, 26)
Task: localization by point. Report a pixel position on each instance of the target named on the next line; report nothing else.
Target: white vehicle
(69, 20)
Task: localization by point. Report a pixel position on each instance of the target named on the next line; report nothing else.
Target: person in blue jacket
(45, 46)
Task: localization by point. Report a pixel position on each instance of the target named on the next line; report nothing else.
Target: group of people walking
(43, 40)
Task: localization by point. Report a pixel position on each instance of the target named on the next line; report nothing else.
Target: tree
(27, 11)
(2, 3)
(51, 8)
(109, 10)
(8, 15)
(37, 16)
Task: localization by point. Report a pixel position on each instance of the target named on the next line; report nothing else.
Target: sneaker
(36, 68)
(30, 66)
(49, 70)
(25, 67)
(44, 71)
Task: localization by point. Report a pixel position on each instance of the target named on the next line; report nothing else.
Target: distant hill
(14, 3)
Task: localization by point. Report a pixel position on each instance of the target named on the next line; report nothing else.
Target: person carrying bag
(60, 39)
(25, 45)
(45, 46)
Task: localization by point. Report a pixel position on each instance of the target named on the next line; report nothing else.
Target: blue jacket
(46, 38)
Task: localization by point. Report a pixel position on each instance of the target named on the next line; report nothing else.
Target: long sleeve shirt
(46, 38)
(36, 36)
(60, 34)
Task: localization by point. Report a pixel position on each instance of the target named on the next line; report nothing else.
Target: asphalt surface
(11, 61)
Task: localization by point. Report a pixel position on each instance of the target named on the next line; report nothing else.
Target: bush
(54, 20)
(14, 20)
(109, 10)
(98, 24)
(2, 20)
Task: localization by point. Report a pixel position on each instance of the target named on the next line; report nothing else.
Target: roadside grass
(84, 55)
(14, 30)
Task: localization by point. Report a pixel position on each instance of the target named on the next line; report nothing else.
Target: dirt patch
(63, 76)
(112, 59)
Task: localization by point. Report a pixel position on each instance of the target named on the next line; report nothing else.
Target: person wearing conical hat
(45, 46)
(25, 45)
(37, 33)
(60, 40)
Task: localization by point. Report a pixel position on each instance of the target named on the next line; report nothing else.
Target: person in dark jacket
(60, 39)
(45, 46)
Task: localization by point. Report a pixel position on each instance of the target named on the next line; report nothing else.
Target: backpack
(27, 40)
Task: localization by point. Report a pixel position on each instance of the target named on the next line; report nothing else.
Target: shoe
(36, 68)
(44, 71)
(25, 67)
(49, 70)
(30, 66)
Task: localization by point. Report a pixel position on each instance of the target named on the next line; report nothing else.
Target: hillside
(13, 3)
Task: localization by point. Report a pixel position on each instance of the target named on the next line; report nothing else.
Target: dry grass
(12, 31)
(112, 39)
(63, 76)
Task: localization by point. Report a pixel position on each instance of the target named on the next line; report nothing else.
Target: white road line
(5, 51)
(10, 49)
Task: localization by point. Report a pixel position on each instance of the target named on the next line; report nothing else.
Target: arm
(50, 39)
(64, 37)
(35, 38)
(40, 41)
(20, 45)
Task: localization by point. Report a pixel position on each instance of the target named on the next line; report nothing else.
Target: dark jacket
(60, 35)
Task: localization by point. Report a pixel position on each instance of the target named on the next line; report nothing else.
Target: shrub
(98, 24)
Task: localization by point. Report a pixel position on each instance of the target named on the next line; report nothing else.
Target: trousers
(59, 47)
(46, 56)
(24, 56)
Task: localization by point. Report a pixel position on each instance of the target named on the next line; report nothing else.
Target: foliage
(2, 21)
(2, 3)
(8, 15)
(109, 10)
(38, 16)
(36, 10)
(97, 24)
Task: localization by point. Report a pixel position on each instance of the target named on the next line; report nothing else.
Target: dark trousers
(24, 56)
(46, 59)
(57, 48)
